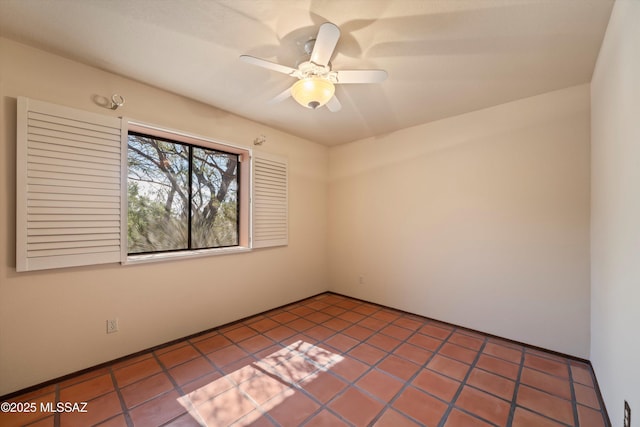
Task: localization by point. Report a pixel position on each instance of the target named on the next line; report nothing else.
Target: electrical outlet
(112, 326)
(361, 279)
(627, 414)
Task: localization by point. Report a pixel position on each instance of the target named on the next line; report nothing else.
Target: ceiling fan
(316, 80)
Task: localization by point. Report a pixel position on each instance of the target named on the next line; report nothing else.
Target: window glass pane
(214, 208)
(158, 183)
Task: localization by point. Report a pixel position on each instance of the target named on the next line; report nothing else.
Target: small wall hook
(117, 101)
(260, 140)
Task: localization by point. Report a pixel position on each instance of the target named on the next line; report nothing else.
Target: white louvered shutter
(68, 187)
(270, 201)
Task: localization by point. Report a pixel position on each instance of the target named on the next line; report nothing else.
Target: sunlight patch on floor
(241, 397)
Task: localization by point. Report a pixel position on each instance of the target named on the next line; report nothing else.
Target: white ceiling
(444, 57)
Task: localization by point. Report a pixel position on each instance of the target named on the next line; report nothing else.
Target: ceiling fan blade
(281, 96)
(360, 76)
(334, 105)
(325, 44)
(267, 64)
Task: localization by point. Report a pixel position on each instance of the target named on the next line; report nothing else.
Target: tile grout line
(423, 366)
(176, 386)
(451, 404)
(123, 405)
(257, 406)
(374, 366)
(533, 411)
(574, 401)
(56, 416)
(603, 409)
(350, 383)
(407, 383)
(174, 383)
(516, 389)
(281, 343)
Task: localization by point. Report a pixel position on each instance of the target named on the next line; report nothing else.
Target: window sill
(169, 256)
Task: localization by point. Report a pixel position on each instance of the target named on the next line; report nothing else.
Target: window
(96, 189)
(185, 194)
(180, 196)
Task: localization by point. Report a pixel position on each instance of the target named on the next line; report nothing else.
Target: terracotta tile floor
(329, 361)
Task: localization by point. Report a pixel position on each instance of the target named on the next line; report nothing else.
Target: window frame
(60, 222)
(244, 190)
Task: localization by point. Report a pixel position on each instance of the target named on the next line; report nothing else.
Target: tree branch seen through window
(180, 197)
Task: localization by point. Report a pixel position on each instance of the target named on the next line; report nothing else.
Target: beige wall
(53, 322)
(481, 220)
(615, 213)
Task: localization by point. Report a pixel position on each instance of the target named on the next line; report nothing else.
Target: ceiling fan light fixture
(312, 92)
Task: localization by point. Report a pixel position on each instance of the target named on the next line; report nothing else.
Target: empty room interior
(339, 213)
